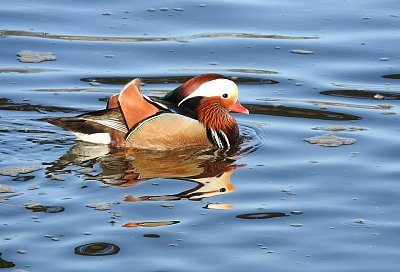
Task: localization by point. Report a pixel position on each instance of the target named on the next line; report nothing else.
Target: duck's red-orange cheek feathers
(237, 107)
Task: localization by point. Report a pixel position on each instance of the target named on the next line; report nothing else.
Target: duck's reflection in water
(210, 172)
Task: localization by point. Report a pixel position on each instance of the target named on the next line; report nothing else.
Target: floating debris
(296, 225)
(340, 128)
(55, 177)
(361, 222)
(296, 212)
(285, 190)
(116, 214)
(35, 57)
(45, 209)
(302, 52)
(329, 140)
(85, 170)
(9, 196)
(101, 206)
(15, 171)
(385, 106)
(97, 249)
(379, 97)
(6, 189)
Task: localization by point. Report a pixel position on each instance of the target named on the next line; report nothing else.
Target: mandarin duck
(194, 114)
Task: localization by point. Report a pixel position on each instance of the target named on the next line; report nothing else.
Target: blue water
(281, 204)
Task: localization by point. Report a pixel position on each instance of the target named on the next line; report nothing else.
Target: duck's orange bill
(237, 107)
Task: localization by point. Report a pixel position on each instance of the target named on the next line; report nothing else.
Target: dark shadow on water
(97, 249)
(5, 264)
(229, 70)
(207, 35)
(6, 104)
(297, 112)
(265, 215)
(392, 76)
(362, 94)
(116, 80)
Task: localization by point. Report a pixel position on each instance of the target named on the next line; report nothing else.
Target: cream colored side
(168, 131)
(96, 138)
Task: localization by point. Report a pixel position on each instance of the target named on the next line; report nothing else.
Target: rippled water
(278, 203)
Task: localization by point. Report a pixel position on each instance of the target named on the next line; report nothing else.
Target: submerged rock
(330, 140)
(303, 52)
(15, 171)
(340, 128)
(6, 189)
(35, 57)
(101, 206)
(41, 208)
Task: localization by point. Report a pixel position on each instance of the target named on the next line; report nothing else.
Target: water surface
(277, 203)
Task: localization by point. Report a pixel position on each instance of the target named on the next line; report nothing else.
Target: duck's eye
(225, 95)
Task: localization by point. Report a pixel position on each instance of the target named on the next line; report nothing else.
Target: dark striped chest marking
(218, 138)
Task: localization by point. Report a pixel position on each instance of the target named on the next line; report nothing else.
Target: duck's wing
(167, 130)
(93, 122)
(103, 127)
(134, 106)
(124, 110)
(112, 102)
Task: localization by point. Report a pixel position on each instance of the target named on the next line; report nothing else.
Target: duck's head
(207, 88)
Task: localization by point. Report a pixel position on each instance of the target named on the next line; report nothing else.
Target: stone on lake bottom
(35, 57)
(330, 140)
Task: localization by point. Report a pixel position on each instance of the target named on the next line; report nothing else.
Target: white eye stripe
(216, 87)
